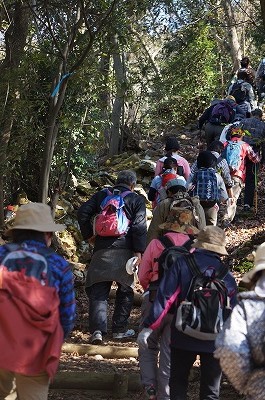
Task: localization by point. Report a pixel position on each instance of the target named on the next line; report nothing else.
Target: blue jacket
(174, 288)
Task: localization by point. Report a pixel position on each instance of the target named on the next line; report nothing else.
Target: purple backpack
(222, 113)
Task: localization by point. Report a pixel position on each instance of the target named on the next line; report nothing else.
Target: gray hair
(126, 177)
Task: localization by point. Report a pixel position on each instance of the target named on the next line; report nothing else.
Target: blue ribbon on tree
(57, 87)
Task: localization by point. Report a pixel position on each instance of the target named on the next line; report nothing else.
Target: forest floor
(243, 236)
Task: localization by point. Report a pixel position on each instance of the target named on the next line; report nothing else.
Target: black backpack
(203, 312)
(166, 259)
(239, 92)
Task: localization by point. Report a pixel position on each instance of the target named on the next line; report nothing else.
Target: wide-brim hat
(211, 238)
(250, 278)
(35, 217)
(179, 220)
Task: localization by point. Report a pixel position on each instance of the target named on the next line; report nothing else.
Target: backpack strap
(197, 272)
(166, 241)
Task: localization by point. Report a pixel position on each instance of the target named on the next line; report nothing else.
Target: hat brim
(188, 229)
(40, 228)
(251, 276)
(211, 247)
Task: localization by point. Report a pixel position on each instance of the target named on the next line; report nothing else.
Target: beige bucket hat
(35, 217)
(179, 220)
(251, 277)
(211, 238)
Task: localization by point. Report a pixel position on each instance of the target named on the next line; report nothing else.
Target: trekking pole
(256, 190)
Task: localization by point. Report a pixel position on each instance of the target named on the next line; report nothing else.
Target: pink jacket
(148, 269)
(182, 162)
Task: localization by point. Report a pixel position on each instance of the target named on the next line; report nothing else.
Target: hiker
(226, 132)
(110, 254)
(237, 152)
(174, 289)
(179, 232)
(157, 191)
(216, 148)
(37, 304)
(256, 127)
(172, 148)
(208, 185)
(260, 81)
(243, 92)
(176, 194)
(216, 117)
(247, 68)
(240, 345)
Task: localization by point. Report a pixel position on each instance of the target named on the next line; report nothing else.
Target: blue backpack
(232, 154)
(30, 263)
(206, 186)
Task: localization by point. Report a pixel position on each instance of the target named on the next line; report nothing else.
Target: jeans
(98, 295)
(181, 364)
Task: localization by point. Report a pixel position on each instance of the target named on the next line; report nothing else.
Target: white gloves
(143, 336)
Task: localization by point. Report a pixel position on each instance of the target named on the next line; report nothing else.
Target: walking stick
(256, 190)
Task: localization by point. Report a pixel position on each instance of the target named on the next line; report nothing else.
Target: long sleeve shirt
(148, 269)
(182, 162)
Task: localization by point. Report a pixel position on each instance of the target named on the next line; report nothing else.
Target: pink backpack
(112, 220)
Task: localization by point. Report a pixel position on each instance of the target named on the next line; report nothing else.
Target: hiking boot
(96, 338)
(150, 392)
(124, 335)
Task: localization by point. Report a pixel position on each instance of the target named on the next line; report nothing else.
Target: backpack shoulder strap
(166, 241)
(123, 194)
(192, 265)
(223, 272)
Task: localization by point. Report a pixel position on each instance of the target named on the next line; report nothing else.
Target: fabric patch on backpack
(222, 113)
(239, 92)
(30, 263)
(232, 154)
(112, 220)
(207, 305)
(206, 186)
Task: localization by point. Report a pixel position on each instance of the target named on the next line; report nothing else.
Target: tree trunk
(236, 51)
(15, 41)
(262, 5)
(121, 88)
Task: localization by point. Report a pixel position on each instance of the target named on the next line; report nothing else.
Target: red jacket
(31, 335)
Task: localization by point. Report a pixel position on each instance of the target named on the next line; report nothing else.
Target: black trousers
(250, 182)
(181, 364)
(98, 295)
